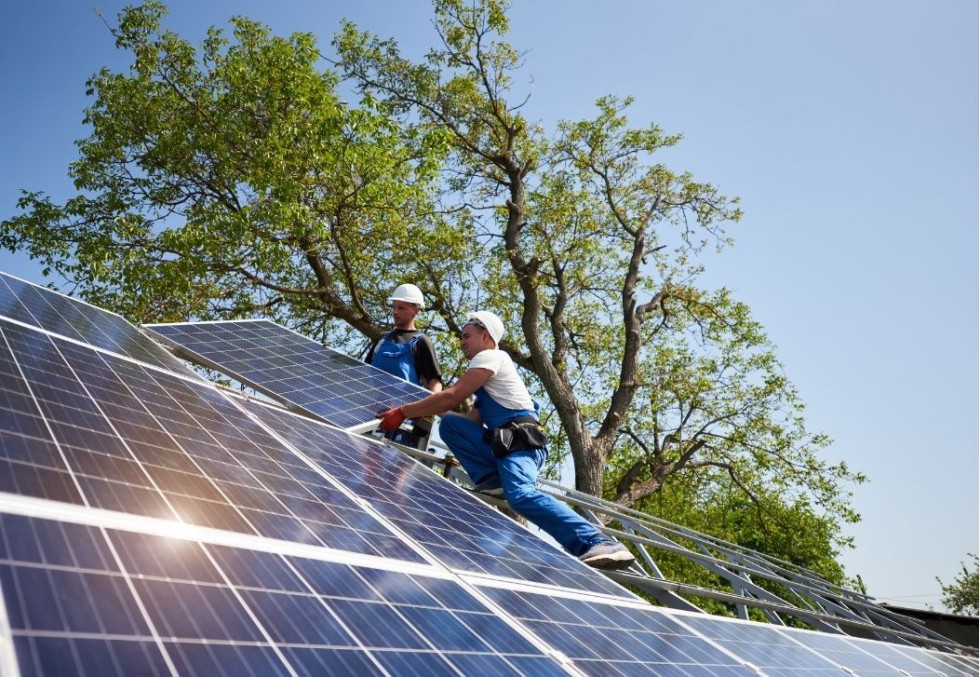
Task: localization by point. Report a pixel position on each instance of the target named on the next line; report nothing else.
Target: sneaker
(490, 487)
(608, 554)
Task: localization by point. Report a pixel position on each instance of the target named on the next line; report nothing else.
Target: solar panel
(608, 639)
(40, 307)
(151, 523)
(779, 651)
(867, 657)
(290, 368)
(119, 436)
(92, 600)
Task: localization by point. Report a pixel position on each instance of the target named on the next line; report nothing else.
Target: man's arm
(444, 400)
(426, 363)
(369, 358)
(436, 403)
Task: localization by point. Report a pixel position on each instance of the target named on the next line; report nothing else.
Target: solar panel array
(290, 368)
(151, 523)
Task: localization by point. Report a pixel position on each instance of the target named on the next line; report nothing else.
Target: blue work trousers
(518, 472)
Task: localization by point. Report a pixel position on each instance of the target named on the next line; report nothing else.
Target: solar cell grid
(141, 602)
(30, 463)
(925, 662)
(54, 312)
(851, 653)
(290, 368)
(136, 440)
(762, 646)
(962, 662)
(779, 651)
(606, 639)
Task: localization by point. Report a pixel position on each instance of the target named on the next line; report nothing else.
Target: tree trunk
(589, 468)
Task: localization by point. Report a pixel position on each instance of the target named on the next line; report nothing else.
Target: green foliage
(715, 403)
(962, 596)
(230, 180)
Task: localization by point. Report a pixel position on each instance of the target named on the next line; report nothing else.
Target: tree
(593, 247)
(233, 181)
(962, 596)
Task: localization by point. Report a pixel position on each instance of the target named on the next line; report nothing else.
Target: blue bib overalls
(518, 473)
(397, 358)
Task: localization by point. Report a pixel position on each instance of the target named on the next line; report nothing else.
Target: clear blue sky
(849, 129)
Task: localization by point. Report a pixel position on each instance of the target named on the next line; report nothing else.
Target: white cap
(408, 293)
(488, 321)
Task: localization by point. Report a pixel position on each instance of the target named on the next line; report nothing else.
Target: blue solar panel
(778, 651)
(88, 600)
(916, 661)
(611, 639)
(113, 434)
(60, 314)
(290, 368)
(861, 656)
(763, 647)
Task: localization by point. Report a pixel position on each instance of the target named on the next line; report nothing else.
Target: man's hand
(391, 419)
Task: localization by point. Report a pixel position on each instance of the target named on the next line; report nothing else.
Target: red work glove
(391, 419)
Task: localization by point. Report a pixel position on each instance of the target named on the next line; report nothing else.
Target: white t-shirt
(505, 385)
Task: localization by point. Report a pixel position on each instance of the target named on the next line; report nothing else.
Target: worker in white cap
(407, 353)
(500, 443)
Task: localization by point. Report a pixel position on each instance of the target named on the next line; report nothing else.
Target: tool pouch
(518, 435)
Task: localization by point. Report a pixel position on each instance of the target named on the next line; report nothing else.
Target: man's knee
(520, 495)
(450, 427)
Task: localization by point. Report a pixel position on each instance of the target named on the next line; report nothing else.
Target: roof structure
(152, 522)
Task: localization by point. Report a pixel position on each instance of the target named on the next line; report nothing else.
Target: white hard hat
(488, 321)
(408, 293)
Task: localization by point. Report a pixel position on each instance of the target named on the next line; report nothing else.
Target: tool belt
(520, 434)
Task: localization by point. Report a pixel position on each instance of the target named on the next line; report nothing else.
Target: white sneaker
(608, 554)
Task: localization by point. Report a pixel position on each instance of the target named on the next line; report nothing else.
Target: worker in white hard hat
(500, 443)
(407, 353)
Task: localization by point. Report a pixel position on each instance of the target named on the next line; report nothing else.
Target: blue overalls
(518, 472)
(396, 358)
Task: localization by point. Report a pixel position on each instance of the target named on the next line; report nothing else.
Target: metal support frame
(809, 598)
(803, 595)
